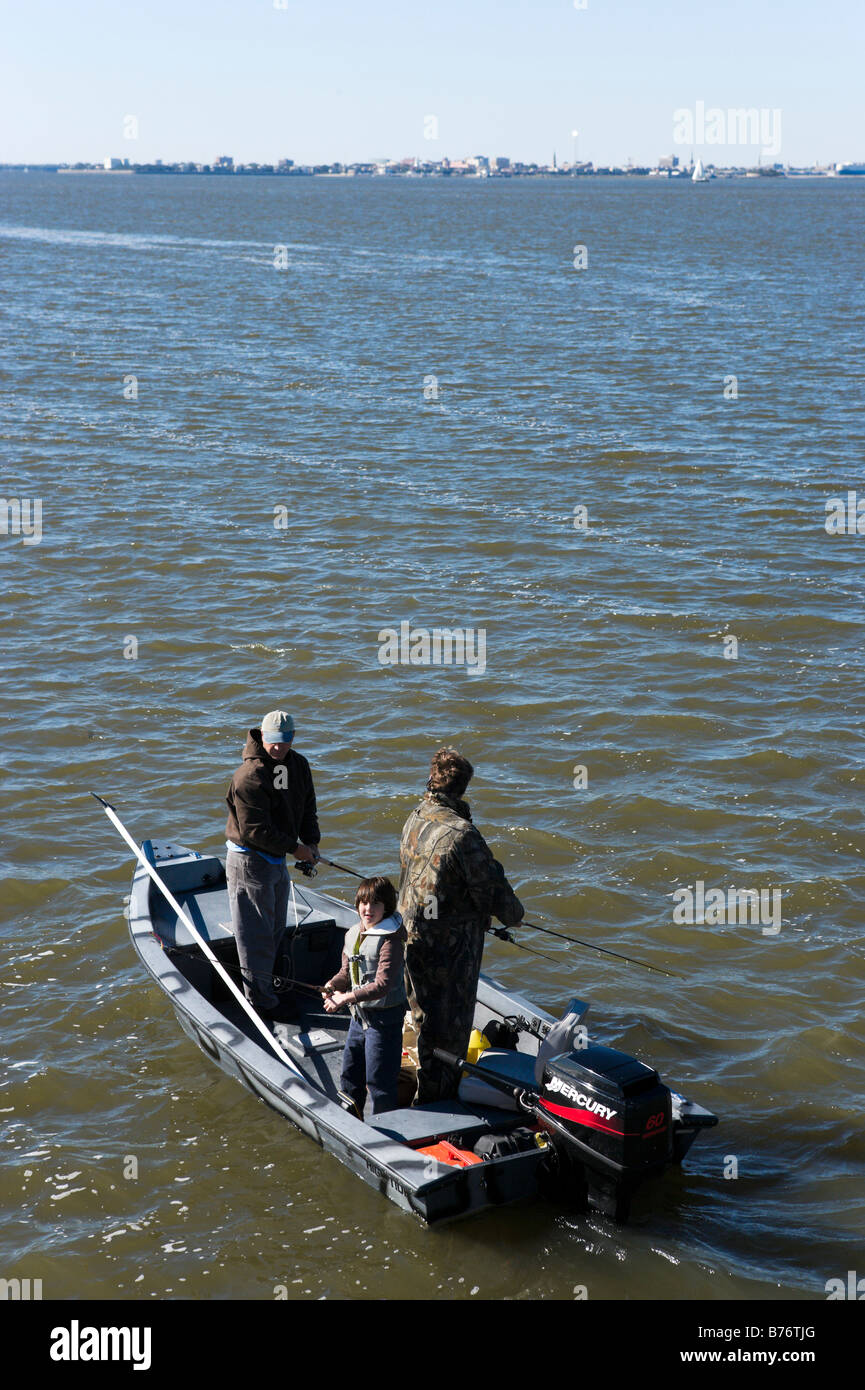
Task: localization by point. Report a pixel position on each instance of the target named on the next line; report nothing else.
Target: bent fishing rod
(309, 870)
(576, 941)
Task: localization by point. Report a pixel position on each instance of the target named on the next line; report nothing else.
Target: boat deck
(319, 1059)
(315, 1041)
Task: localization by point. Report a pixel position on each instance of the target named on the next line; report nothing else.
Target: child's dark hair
(377, 890)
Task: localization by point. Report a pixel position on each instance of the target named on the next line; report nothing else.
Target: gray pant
(258, 896)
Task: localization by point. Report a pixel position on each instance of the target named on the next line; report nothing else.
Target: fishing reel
(502, 933)
(307, 869)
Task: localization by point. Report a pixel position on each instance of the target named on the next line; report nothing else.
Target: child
(371, 982)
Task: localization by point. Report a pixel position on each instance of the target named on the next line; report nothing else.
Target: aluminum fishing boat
(542, 1111)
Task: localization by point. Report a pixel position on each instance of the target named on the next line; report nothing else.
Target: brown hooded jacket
(271, 805)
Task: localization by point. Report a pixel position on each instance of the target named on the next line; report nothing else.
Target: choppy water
(303, 388)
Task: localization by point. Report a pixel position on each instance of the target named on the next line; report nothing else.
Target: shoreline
(719, 176)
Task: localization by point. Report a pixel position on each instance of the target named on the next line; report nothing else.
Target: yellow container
(478, 1043)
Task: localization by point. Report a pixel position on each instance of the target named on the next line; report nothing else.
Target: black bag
(500, 1034)
(499, 1145)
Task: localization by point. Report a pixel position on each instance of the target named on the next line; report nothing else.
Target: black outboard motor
(610, 1119)
(611, 1115)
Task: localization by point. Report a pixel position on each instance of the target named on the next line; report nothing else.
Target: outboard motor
(610, 1119)
(611, 1115)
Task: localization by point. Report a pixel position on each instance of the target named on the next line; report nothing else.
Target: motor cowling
(611, 1112)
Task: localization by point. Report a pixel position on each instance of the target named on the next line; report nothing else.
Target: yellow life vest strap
(355, 958)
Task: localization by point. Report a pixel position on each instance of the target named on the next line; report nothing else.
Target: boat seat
(516, 1067)
(209, 911)
(184, 871)
(418, 1125)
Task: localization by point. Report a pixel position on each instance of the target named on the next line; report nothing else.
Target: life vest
(362, 949)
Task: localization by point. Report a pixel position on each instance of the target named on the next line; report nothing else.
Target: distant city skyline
(475, 166)
(331, 81)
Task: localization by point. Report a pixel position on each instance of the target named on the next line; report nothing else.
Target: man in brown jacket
(449, 890)
(271, 813)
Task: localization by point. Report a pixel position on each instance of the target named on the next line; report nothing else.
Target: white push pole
(184, 917)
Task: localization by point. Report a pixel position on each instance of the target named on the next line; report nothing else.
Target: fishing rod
(333, 864)
(574, 940)
(501, 932)
(309, 869)
(197, 937)
(504, 935)
(279, 982)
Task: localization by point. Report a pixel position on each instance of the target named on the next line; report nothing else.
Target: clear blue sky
(321, 80)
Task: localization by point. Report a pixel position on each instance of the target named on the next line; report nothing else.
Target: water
(303, 389)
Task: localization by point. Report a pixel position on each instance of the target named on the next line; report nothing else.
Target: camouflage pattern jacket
(449, 876)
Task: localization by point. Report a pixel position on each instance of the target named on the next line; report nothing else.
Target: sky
(324, 80)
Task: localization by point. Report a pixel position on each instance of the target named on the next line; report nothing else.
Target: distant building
(668, 161)
(222, 161)
(111, 163)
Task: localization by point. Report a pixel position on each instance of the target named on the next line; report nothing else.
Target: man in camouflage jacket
(450, 889)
